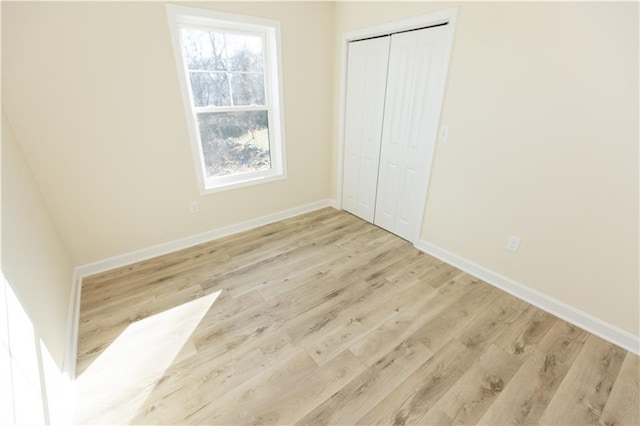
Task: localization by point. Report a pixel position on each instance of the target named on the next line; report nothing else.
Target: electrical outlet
(513, 243)
(193, 206)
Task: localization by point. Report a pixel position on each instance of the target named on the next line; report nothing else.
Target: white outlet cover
(193, 206)
(513, 243)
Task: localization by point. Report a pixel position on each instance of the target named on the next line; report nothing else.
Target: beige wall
(34, 260)
(542, 105)
(541, 102)
(92, 92)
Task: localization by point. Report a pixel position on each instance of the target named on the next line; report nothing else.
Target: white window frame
(180, 17)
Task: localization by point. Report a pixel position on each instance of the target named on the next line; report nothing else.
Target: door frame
(448, 16)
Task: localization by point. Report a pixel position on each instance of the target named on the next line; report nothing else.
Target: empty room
(320, 213)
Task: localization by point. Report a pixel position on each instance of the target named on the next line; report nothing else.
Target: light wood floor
(326, 319)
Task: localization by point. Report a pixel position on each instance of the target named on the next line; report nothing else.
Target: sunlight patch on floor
(126, 372)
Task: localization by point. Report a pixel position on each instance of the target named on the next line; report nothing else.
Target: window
(229, 71)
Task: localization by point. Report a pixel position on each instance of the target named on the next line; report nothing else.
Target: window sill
(221, 187)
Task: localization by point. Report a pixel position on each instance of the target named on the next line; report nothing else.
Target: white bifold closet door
(394, 85)
(366, 83)
(414, 84)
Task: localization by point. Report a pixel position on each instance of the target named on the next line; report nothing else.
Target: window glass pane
(210, 88)
(248, 89)
(227, 66)
(243, 52)
(234, 142)
(203, 50)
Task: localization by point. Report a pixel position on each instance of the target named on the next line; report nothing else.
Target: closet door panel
(416, 72)
(366, 84)
(395, 131)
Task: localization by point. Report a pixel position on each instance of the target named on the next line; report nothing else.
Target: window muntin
(231, 76)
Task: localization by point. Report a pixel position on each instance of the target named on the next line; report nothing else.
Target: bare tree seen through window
(226, 71)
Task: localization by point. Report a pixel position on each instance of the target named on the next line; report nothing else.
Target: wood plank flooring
(326, 319)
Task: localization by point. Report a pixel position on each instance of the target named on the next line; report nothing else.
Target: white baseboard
(171, 246)
(82, 271)
(73, 318)
(586, 321)
(71, 352)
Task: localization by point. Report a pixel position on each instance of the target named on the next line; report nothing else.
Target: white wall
(542, 105)
(92, 92)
